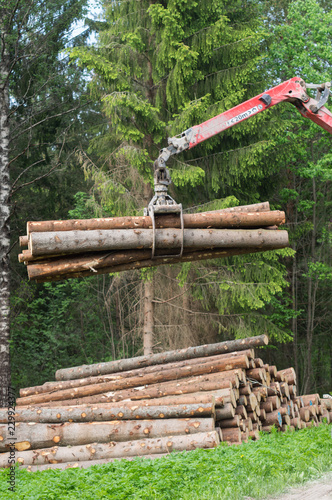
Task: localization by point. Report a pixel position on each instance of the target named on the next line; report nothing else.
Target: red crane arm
(293, 91)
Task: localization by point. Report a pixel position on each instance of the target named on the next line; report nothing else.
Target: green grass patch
(254, 469)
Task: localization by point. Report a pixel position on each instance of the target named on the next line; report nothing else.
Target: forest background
(82, 119)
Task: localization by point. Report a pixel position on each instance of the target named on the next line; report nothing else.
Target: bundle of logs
(151, 405)
(78, 248)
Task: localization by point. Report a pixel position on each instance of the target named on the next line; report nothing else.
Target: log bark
(272, 369)
(67, 384)
(216, 219)
(286, 420)
(203, 397)
(327, 403)
(241, 410)
(102, 451)
(262, 415)
(252, 402)
(273, 418)
(259, 363)
(34, 435)
(181, 399)
(243, 400)
(186, 386)
(231, 435)
(222, 365)
(72, 242)
(233, 215)
(226, 412)
(226, 395)
(245, 390)
(311, 399)
(257, 374)
(230, 422)
(253, 415)
(289, 373)
(118, 388)
(296, 422)
(100, 414)
(47, 271)
(245, 436)
(23, 241)
(274, 389)
(254, 435)
(160, 358)
(247, 423)
(267, 406)
(284, 389)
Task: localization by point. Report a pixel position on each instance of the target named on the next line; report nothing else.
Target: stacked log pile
(150, 405)
(79, 248)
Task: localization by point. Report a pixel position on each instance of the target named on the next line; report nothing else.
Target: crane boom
(293, 91)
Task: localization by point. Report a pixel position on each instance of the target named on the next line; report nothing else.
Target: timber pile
(150, 405)
(79, 248)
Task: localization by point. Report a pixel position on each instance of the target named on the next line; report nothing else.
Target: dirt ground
(315, 490)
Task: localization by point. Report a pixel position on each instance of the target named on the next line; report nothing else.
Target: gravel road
(321, 489)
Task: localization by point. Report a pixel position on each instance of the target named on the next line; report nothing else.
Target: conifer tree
(35, 93)
(301, 47)
(161, 67)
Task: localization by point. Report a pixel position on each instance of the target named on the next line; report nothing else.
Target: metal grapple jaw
(162, 203)
(322, 94)
(162, 178)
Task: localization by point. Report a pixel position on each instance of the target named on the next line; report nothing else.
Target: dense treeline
(155, 70)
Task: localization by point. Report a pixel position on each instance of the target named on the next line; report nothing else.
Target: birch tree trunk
(31, 33)
(5, 379)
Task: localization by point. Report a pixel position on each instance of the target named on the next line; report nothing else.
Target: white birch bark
(4, 212)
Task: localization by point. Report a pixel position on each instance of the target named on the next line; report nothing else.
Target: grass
(253, 469)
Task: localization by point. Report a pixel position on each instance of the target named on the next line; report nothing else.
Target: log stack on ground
(151, 405)
(79, 248)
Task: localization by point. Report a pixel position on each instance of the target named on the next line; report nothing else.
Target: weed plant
(255, 469)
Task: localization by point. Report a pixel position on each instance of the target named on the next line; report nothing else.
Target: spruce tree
(159, 68)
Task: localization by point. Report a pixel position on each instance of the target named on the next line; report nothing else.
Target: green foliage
(302, 44)
(48, 112)
(53, 328)
(159, 69)
(81, 208)
(254, 469)
(300, 47)
(247, 292)
(168, 66)
(319, 271)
